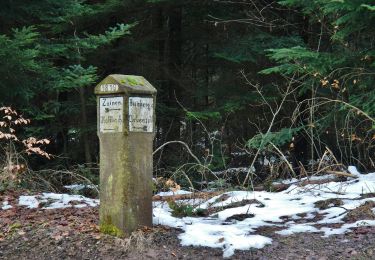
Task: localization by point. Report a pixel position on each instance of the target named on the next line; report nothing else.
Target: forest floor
(72, 233)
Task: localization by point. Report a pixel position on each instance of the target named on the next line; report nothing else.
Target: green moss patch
(133, 81)
(110, 229)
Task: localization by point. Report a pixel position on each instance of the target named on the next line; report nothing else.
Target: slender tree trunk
(84, 135)
(173, 91)
(174, 69)
(175, 48)
(158, 26)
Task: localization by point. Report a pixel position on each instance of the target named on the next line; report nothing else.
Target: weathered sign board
(126, 109)
(141, 111)
(111, 114)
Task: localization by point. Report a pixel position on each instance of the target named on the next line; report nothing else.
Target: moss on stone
(134, 81)
(125, 167)
(107, 227)
(110, 229)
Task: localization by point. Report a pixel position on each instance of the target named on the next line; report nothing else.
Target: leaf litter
(324, 208)
(235, 220)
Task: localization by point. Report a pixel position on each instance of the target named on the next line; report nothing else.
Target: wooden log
(195, 195)
(342, 174)
(274, 187)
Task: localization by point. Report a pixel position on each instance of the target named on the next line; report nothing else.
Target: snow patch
(6, 205)
(353, 170)
(28, 201)
(55, 201)
(346, 227)
(171, 193)
(227, 237)
(297, 228)
(235, 216)
(78, 187)
(263, 208)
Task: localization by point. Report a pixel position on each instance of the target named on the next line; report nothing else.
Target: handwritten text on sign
(141, 112)
(111, 111)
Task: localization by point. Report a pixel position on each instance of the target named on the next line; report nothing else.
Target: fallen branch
(277, 187)
(195, 195)
(342, 174)
(282, 186)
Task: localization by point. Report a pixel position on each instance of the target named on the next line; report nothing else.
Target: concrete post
(126, 126)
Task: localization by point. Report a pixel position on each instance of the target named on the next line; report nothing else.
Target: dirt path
(73, 234)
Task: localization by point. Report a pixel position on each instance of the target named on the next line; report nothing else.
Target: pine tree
(46, 45)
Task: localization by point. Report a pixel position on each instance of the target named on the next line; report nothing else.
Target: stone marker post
(126, 122)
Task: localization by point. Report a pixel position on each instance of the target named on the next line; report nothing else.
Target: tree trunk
(84, 135)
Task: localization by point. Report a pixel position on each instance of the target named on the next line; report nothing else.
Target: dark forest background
(283, 84)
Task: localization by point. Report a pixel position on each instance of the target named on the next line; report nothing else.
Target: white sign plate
(141, 112)
(111, 113)
(109, 87)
